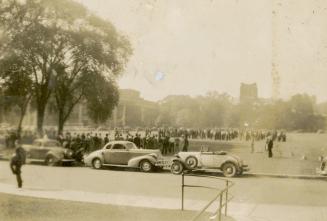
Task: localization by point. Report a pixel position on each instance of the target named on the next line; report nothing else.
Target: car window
(131, 146)
(118, 146)
(108, 146)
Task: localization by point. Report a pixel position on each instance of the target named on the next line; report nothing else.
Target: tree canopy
(60, 42)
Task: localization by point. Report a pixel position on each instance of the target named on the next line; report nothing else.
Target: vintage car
(48, 151)
(230, 165)
(125, 154)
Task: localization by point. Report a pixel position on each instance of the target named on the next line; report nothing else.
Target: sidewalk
(237, 211)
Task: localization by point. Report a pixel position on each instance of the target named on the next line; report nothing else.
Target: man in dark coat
(137, 140)
(17, 162)
(270, 146)
(185, 146)
(106, 139)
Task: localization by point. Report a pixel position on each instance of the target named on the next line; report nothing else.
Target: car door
(218, 160)
(118, 154)
(35, 151)
(207, 159)
(46, 147)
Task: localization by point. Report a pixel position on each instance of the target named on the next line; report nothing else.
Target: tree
(59, 41)
(102, 96)
(17, 86)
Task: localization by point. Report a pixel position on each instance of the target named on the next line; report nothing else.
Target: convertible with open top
(229, 165)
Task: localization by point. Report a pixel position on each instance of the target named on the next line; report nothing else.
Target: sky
(195, 46)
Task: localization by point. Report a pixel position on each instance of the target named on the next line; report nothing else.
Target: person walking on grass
(17, 161)
(252, 144)
(270, 146)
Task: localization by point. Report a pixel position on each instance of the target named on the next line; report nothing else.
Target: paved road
(246, 189)
(281, 194)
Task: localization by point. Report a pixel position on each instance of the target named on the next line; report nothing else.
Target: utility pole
(274, 51)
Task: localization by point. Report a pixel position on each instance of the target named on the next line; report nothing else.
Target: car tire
(191, 162)
(177, 168)
(96, 164)
(146, 166)
(229, 169)
(50, 161)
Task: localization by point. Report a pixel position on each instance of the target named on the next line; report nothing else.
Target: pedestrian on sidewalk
(17, 162)
(270, 146)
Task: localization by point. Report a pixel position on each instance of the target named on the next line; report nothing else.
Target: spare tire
(191, 162)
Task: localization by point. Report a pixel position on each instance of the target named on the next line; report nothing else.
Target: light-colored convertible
(230, 165)
(124, 154)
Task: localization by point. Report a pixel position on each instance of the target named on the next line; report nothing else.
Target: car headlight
(68, 153)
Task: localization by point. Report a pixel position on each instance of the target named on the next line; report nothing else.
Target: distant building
(248, 92)
(133, 110)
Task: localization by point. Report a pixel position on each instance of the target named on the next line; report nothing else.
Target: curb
(308, 177)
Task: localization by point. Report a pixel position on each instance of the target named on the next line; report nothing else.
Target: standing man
(106, 139)
(185, 146)
(17, 162)
(252, 143)
(270, 146)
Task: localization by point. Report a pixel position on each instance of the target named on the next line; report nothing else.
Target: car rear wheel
(229, 170)
(96, 163)
(146, 166)
(191, 162)
(176, 167)
(50, 160)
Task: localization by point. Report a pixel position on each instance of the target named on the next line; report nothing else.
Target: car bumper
(67, 160)
(245, 168)
(163, 163)
(321, 172)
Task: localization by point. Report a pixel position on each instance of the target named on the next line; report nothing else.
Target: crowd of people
(168, 140)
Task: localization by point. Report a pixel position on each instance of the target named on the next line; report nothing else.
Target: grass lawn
(17, 208)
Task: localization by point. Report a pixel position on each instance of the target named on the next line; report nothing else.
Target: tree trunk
(23, 109)
(61, 121)
(40, 119)
(19, 128)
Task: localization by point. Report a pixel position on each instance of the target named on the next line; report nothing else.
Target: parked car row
(127, 154)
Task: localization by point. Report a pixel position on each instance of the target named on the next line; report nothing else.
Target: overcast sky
(194, 46)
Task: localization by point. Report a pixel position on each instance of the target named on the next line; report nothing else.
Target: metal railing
(223, 197)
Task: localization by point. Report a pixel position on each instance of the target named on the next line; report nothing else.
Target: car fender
(230, 161)
(56, 155)
(89, 158)
(179, 160)
(135, 162)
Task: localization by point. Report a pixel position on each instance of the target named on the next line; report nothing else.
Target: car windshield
(131, 146)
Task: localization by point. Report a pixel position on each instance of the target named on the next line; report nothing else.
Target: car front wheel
(229, 170)
(176, 167)
(146, 166)
(96, 163)
(50, 160)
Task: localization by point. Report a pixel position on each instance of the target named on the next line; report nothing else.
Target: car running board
(114, 165)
